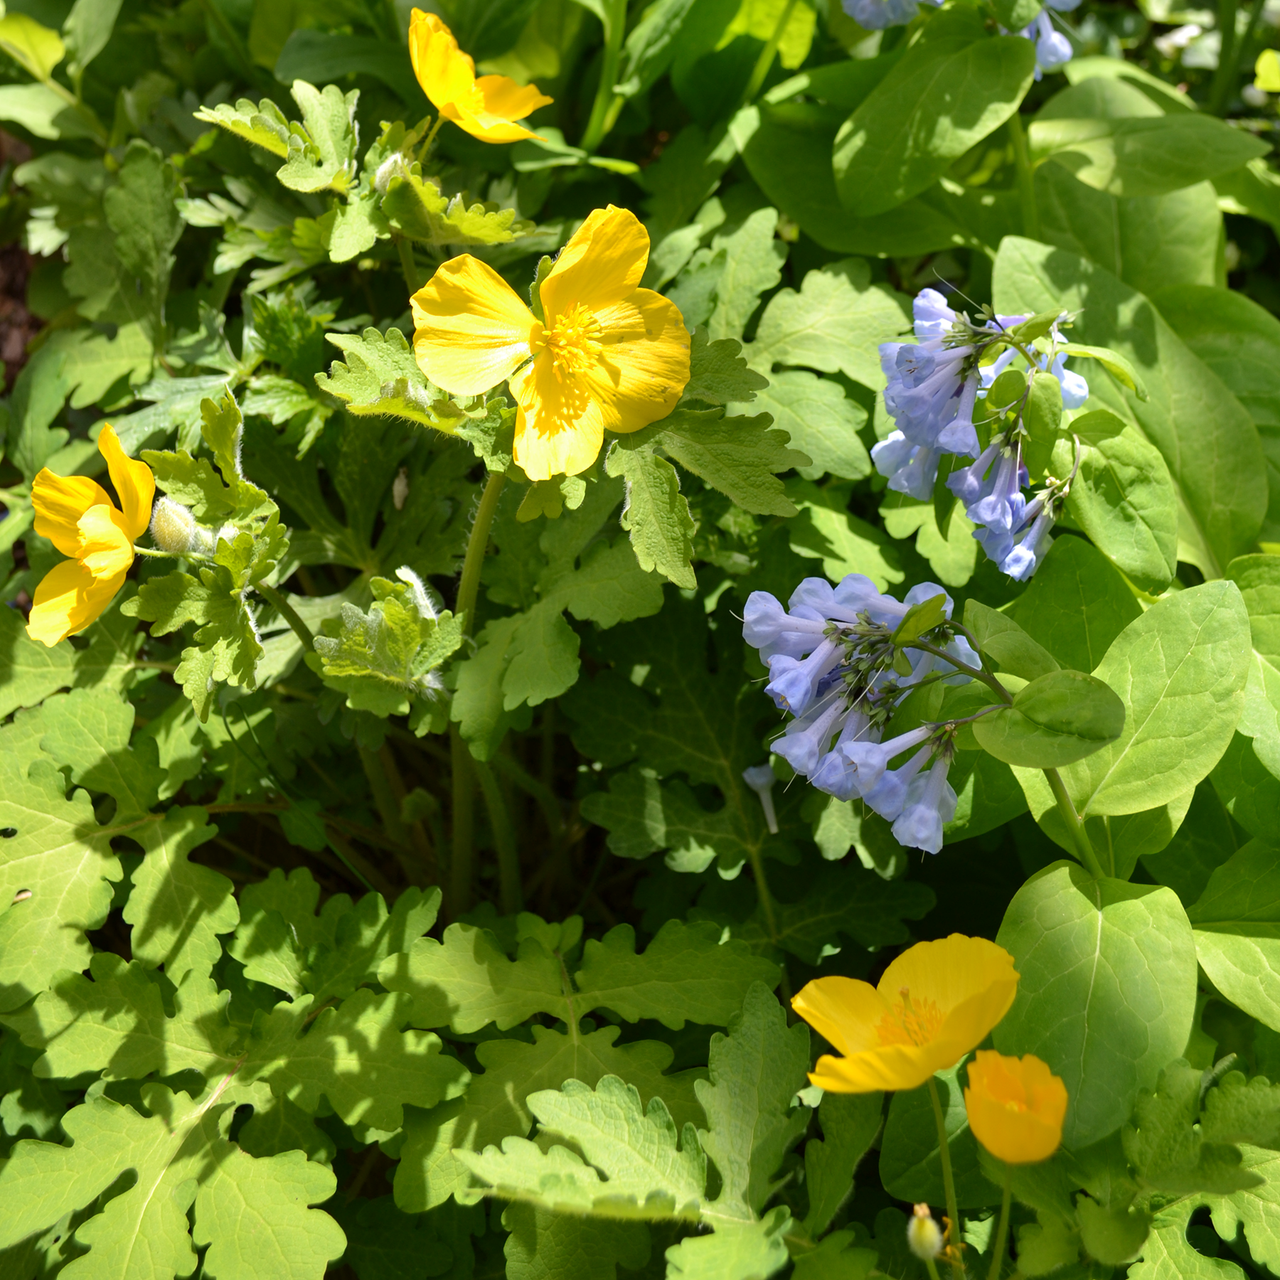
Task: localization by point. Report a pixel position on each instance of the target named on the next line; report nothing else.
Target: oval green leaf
(1057, 719)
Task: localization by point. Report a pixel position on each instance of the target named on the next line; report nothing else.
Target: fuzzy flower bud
(924, 1236)
(175, 530)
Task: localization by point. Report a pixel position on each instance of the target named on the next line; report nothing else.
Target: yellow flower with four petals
(78, 517)
(607, 355)
(1016, 1106)
(935, 1002)
(486, 108)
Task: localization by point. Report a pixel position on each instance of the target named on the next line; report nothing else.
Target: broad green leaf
(906, 134)
(182, 1164)
(264, 124)
(1237, 924)
(322, 152)
(850, 1124)
(1207, 441)
(655, 513)
(787, 149)
(747, 263)
(1144, 156)
(755, 1072)
(1249, 791)
(494, 1105)
(419, 210)
(383, 1243)
(1107, 989)
(646, 1174)
(35, 48)
(1180, 671)
(1258, 578)
(1204, 841)
(910, 1165)
(1169, 1255)
(1041, 417)
(739, 1252)
(822, 422)
(1124, 499)
(379, 376)
(1075, 606)
(1112, 1234)
(1057, 719)
(736, 455)
(29, 671)
(719, 373)
(825, 530)
(1002, 640)
(833, 323)
(543, 1245)
(87, 29)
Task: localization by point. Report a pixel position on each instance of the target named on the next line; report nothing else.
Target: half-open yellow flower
(486, 108)
(1016, 1106)
(78, 517)
(934, 1003)
(608, 354)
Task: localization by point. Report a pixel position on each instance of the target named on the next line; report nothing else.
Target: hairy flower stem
(1084, 846)
(408, 267)
(461, 871)
(948, 1181)
(276, 599)
(604, 111)
(510, 889)
(1026, 179)
(1002, 1231)
(768, 53)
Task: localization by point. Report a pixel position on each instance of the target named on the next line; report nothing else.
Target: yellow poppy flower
(78, 517)
(934, 1003)
(486, 108)
(609, 354)
(1016, 1106)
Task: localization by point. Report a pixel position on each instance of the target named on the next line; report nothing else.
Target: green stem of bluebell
(603, 112)
(461, 871)
(1002, 1231)
(768, 53)
(948, 1180)
(1084, 846)
(510, 889)
(1026, 179)
(288, 613)
(1228, 57)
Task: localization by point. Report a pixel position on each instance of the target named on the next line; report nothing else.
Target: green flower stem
(603, 110)
(768, 53)
(1026, 178)
(932, 1268)
(1002, 1231)
(511, 892)
(408, 267)
(1224, 78)
(948, 1180)
(288, 613)
(1084, 846)
(461, 870)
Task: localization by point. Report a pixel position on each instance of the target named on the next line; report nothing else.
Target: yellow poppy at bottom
(935, 1002)
(1016, 1106)
(608, 355)
(78, 517)
(486, 108)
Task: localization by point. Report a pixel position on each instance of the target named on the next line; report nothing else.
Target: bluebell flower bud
(930, 804)
(760, 778)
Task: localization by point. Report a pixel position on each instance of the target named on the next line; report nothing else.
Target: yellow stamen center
(910, 1022)
(573, 340)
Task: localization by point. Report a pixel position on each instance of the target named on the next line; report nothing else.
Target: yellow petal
(446, 74)
(1016, 1106)
(488, 128)
(67, 600)
(506, 100)
(893, 1067)
(844, 1011)
(59, 502)
(106, 549)
(949, 972)
(644, 360)
(135, 485)
(602, 263)
(559, 428)
(471, 331)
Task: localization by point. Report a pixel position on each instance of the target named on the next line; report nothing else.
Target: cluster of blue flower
(933, 388)
(831, 663)
(1053, 49)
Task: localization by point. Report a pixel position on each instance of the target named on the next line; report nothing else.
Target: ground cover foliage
(410, 874)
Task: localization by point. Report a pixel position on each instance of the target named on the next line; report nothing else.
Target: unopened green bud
(175, 530)
(924, 1236)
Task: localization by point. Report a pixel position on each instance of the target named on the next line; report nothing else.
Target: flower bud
(227, 533)
(924, 1236)
(176, 530)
